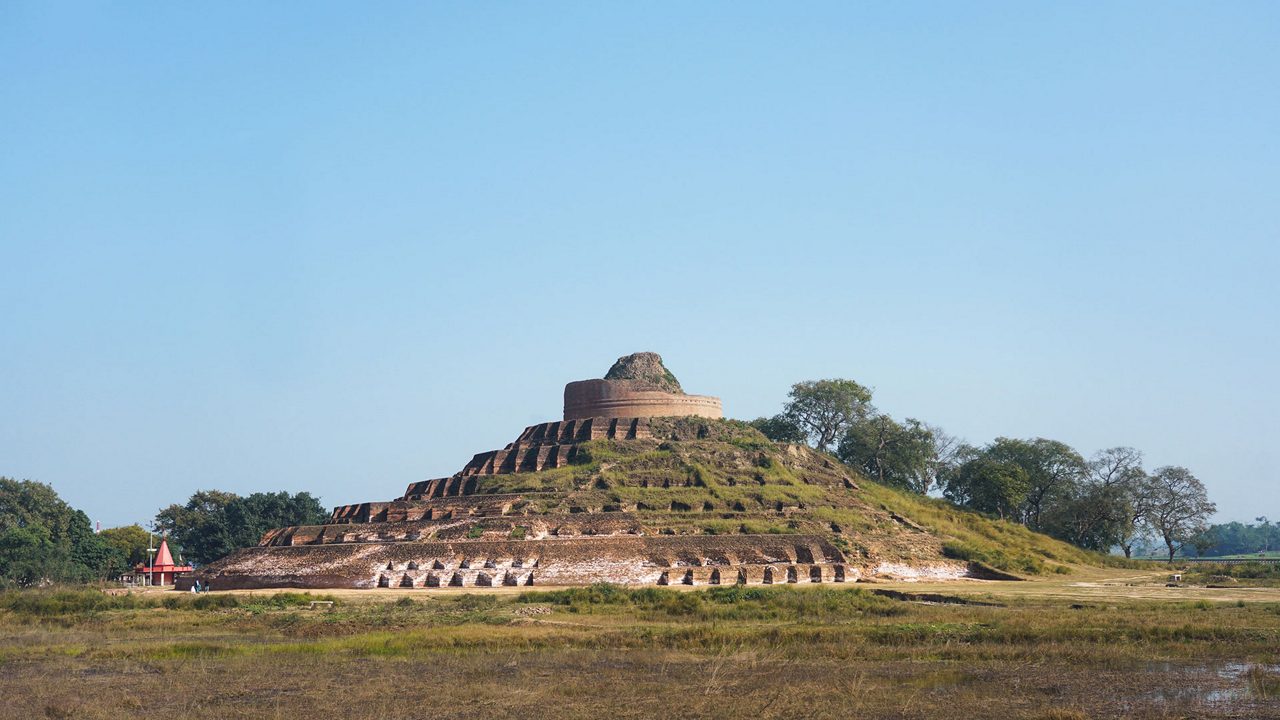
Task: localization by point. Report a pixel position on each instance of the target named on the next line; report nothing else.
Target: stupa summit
(638, 484)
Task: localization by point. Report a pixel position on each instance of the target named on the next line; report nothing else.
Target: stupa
(639, 483)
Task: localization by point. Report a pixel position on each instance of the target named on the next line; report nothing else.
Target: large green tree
(780, 428)
(1097, 504)
(45, 540)
(131, 540)
(825, 409)
(1053, 470)
(1104, 507)
(1236, 538)
(1090, 516)
(213, 523)
(200, 526)
(988, 485)
(891, 453)
(1178, 508)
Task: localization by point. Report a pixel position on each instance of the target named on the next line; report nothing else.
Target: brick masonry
(456, 532)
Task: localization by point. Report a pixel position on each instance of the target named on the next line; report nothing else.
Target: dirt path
(1093, 585)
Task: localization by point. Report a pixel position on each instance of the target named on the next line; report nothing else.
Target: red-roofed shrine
(162, 571)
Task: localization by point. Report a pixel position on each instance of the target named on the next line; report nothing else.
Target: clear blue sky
(341, 248)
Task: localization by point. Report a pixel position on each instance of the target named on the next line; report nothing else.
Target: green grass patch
(1253, 574)
(971, 536)
(730, 602)
(994, 557)
(64, 602)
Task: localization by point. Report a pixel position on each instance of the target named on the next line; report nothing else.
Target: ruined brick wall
(629, 560)
(747, 521)
(626, 398)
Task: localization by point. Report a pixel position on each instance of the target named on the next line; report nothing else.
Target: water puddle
(1216, 686)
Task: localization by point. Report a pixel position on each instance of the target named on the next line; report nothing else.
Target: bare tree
(1118, 482)
(949, 452)
(1115, 466)
(1178, 508)
(1130, 534)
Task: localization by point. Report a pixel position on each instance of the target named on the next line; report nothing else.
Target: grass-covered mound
(1000, 544)
(698, 476)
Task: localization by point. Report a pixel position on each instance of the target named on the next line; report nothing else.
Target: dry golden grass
(756, 652)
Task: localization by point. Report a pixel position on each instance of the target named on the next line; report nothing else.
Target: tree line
(43, 540)
(1236, 538)
(1105, 501)
(214, 523)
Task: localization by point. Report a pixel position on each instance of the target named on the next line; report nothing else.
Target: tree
(131, 540)
(28, 556)
(1121, 467)
(1090, 516)
(1131, 534)
(1102, 509)
(1052, 468)
(780, 428)
(200, 526)
(1178, 507)
(893, 454)
(1133, 528)
(1117, 466)
(947, 454)
(825, 409)
(250, 517)
(989, 486)
(99, 560)
(44, 540)
(213, 523)
(1235, 538)
(1203, 542)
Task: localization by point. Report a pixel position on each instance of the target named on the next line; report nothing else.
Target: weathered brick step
(490, 575)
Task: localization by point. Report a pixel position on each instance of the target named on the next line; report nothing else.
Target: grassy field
(1247, 574)
(1101, 643)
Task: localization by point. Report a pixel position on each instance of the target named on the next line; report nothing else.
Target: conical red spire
(164, 558)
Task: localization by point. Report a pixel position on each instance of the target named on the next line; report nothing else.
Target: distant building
(162, 571)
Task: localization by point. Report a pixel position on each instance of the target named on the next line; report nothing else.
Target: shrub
(46, 602)
(205, 601)
(83, 601)
(293, 599)
(472, 603)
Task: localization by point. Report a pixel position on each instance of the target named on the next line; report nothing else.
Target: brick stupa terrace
(639, 484)
(637, 386)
